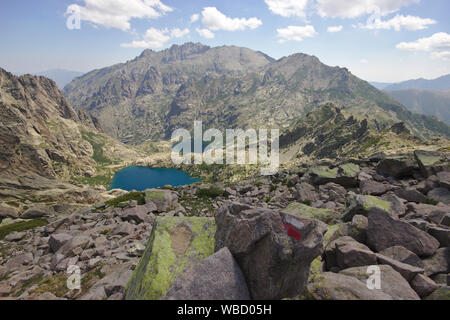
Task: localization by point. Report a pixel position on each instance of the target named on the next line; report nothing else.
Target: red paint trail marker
(292, 232)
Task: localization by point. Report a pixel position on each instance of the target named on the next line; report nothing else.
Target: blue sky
(377, 40)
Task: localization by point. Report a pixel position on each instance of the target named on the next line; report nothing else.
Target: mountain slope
(329, 132)
(226, 87)
(429, 102)
(43, 139)
(441, 83)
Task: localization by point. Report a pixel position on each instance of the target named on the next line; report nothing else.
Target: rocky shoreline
(307, 233)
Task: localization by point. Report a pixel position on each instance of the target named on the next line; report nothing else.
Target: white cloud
(195, 17)
(335, 29)
(437, 42)
(118, 13)
(205, 33)
(178, 33)
(364, 61)
(288, 8)
(444, 55)
(215, 20)
(155, 38)
(400, 22)
(357, 8)
(296, 33)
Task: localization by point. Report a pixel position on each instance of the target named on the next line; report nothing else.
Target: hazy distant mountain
(227, 87)
(380, 85)
(430, 102)
(441, 83)
(60, 76)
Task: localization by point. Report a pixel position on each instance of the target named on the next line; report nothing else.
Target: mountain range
(430, 102)
(441, 83)
(227, 87)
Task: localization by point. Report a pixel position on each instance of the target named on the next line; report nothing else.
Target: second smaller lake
(143, 178)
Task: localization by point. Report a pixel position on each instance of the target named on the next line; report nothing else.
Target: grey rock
(56, 241)
(440, 195)
(336, 286)
(123, 229)
(397, 206)
(81, 241)
(392, 283)
(36, 213)
(438, 263)
(374, 188)
(423, 285)
(444, 179)
(403, 255)
(218, 277)
(384, 232)
(398, 167)
(406, 270)
(15, 236)
(442, 294)
(357, 204)
(412, 195)
(441, 234)
(7, 212)
(274, 260)
(345, 253)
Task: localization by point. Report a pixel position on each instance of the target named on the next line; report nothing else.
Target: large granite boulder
(165, 200)
(175, 245)
(36, 213)
(346, 252)
(336, 286)
(440, 195)
(392, 282)
(325, 215)
(274, 250)
(345, 175)
(384, 232)
(7, 212)
(217, 277)
(357, 204)
(398, 166)
(431, 163)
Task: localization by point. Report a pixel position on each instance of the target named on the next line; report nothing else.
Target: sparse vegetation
(212, 192)
(21, 226)
(138, 196)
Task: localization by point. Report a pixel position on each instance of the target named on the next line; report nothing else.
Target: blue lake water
(142, 178)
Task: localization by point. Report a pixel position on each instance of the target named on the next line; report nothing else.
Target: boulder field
(311, 232)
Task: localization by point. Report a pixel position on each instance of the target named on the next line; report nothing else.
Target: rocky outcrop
(273, 250)
(217, 277)
(175, 245)
(384, 231)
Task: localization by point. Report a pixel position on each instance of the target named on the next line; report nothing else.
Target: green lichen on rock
(175, 245)
(373, 201)
(358, 204)
(334, 232)
(325, 172)
(325, 215)
(349, 169)
(152, 195)
(315, 269)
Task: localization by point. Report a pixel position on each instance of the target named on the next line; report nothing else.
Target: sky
(377, 40)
